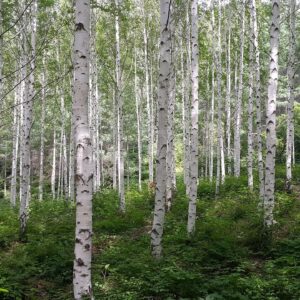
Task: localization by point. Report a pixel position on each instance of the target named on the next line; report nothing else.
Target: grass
(227, 258)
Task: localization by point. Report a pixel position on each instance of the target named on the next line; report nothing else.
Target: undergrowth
(226, 258)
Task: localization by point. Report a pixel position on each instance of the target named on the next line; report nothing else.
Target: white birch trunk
(221, 157)
(60, 164)
(163, 96)
(65, 168)
(1, 54)
(271, 117)
(170, 129)
(184, 104)
(291, 96)
(148, 102)
(238, 115)
(41, 175)
(194, 118)
(97, 137)
(16, 132)
(258, 100)
(114, 131)
(228, 97)
(250, 117)
(71, 165)
(27, 123)
(212, 109)
(120, 138)
(53, 174)
(187, 108)
(138, 123)
(83, 148)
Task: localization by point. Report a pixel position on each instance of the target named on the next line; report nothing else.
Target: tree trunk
(65, 168)
(1, 54)
(163, 96)
(212, 109)
(41, 178)
(83, 152)
(187, 108)
(170, 130)
(148, 102)
(114, 138)
(184, 104)
(16, 133)
(258, 100)
(228, 97)
(237, 128)
(138, 123)
(291, 96)
(53, 174)
(120, 138)
(221, 157)
(271, 117)
(194, 118)
(27, 123)
(250, 117)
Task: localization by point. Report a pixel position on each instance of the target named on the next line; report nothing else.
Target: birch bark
(271, 117)
(228, 96)
(138, 122)
(257, 99)
(53, 174)
(237, 128)
(221, 157)
(27, 123)
(16, 132)
(170, 130)
(83, 148)
(194, 118)
(41, 177)
(148, 102)
(291, 95)
(163, 96)
(250, 117)
(120, 138)
(187, 108)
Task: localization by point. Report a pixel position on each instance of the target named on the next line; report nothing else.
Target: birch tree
(138, 122)
(83, 152)
(187, 108)
(1, 52)
(228, 95)
(271, 117)
(120, 138)
(237, 128)
(250, 118)
(41, 175)
(16, 133)
(148, 102)
(221, 159)
(163, 96)
(212, 108)
(170, 130)
(27, 122)
(254, 32)
(194, 118)
(291, 94)
(53, 173)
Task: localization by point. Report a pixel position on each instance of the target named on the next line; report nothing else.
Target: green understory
(229, 257)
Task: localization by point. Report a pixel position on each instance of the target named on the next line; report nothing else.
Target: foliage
(225, 259)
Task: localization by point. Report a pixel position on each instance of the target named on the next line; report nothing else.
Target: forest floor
(229, 256)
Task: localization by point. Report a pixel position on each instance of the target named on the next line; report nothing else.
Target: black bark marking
(80, 262)
(79, 26)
